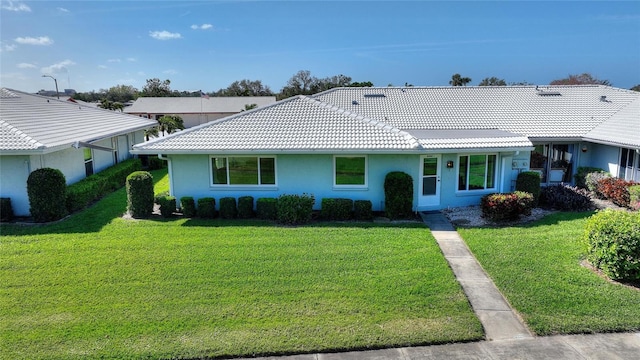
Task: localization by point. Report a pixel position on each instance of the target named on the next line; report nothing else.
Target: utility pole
(56, 81)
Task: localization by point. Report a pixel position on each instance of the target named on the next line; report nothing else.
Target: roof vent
(603, 98)
(548, 93)
(354, 102)
(374, 95)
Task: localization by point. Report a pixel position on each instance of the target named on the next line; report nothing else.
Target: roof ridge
(357, 116)
(12, 129)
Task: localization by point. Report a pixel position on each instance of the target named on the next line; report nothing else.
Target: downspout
(170, 167)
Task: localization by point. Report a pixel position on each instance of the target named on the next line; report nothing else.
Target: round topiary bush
(140, 194)
(47, 191)
(612, 239)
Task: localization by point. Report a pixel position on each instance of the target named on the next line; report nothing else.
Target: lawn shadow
(254, 222)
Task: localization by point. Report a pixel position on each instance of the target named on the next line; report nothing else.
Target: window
(243, 170)
(350, 171)
(88, 162)
(476, 172)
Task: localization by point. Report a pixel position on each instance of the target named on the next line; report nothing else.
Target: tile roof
(413, 118)
(623, 128)
(545, 111)
(33, 123)
(195, 105)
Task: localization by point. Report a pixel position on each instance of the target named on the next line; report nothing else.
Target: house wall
(605, 157)
(14, 171)
(313, 174)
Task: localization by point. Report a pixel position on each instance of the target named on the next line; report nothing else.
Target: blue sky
(92, 45)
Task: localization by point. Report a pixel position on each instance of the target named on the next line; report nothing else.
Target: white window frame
(258, 157)
(352, 186)
(486, 163)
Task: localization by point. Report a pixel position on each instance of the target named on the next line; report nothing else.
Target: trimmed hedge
(6, 210)
(505, 207)
(167, 205)
(362, 210)
(140, 197)
(267, 208)
(245, 207)
(295, 209)
(612, 240)
(47, 191)
(92, 188)
(207, 208)
(581, 175)
(616, 190)
(398, 195)
(529, 181)
(188, 206)
(634, 197)
(566, 198)
(228, 208)
(336, 209)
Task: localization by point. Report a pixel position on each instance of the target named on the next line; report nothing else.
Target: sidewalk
(507, 336)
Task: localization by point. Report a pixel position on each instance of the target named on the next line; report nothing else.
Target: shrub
(565, 197)
(529, 181)
(245, 207)
(398, 195)
(612, 239)
(294, 209)
(581, 175)
(92, 188)
(156, 163)
(336, 209)
(140, 194)
(188, 206)
(167, 205)
(362, 210)
(207, 208)
(634, 197)
(47, 191)
(6, 210)
(616, 190)
(504, 207)
(266, 208)
(591, 181)
(228, 209)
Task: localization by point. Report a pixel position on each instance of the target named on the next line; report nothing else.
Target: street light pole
(56, 81)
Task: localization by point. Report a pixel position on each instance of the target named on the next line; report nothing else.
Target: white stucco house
(457, 143)
(38, 131)
(195, 110)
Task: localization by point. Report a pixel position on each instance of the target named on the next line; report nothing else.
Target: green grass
(98, 286)
(538, 269)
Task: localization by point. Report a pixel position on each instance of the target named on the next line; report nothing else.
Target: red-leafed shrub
(503, 207)
(616, 190)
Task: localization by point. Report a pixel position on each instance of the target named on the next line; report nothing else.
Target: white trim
(486, 165)
(351, 186)
(434, 200)
(258, 186)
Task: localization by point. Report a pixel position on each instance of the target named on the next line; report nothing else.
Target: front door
(429, 181)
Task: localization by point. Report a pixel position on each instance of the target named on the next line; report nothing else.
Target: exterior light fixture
(450, 164)
(584, 148)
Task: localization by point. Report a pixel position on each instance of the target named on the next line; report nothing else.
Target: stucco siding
(605, 157)
(14, 171)
(69, 161)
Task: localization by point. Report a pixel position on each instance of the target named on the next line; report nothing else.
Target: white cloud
(61, 9)
(9, 47)
(16, 7)
(114, 60)
(164, 35)
(170, 72)
(26, 66)
(42, 40)
(60, 67)
(202, 27)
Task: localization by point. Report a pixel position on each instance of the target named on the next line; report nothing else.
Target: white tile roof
(414, 118)
(33, 124)
(623, 128)
(195, 105)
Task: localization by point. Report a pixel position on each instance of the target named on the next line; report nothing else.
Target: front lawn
(538, 269)
(96, 285)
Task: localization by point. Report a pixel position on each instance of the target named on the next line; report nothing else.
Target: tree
(120, 93)
(636, 88)
(249, 106)
(156, 88)
(457, 80)
(170, 123)
(151, 132)
(245, 87)
(582, 79)
(111, 105)
(361, 84)
(299, 84)
(492, 81)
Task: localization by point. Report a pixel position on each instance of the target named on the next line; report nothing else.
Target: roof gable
(36, 123)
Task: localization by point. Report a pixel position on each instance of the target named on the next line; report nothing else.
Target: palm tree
(151, 132)
(457, 80)
(170, 123)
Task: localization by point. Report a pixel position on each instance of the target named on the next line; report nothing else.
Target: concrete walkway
(507, 336)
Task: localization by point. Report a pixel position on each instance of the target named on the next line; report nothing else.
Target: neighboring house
(38, 131)
(195, 110)
(457, 143)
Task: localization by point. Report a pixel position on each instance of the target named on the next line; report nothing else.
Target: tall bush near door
(47, 191)
(140, 194)
(398, 195)
(529, 181)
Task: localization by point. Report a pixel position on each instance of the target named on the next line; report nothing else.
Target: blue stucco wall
(605, 157)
